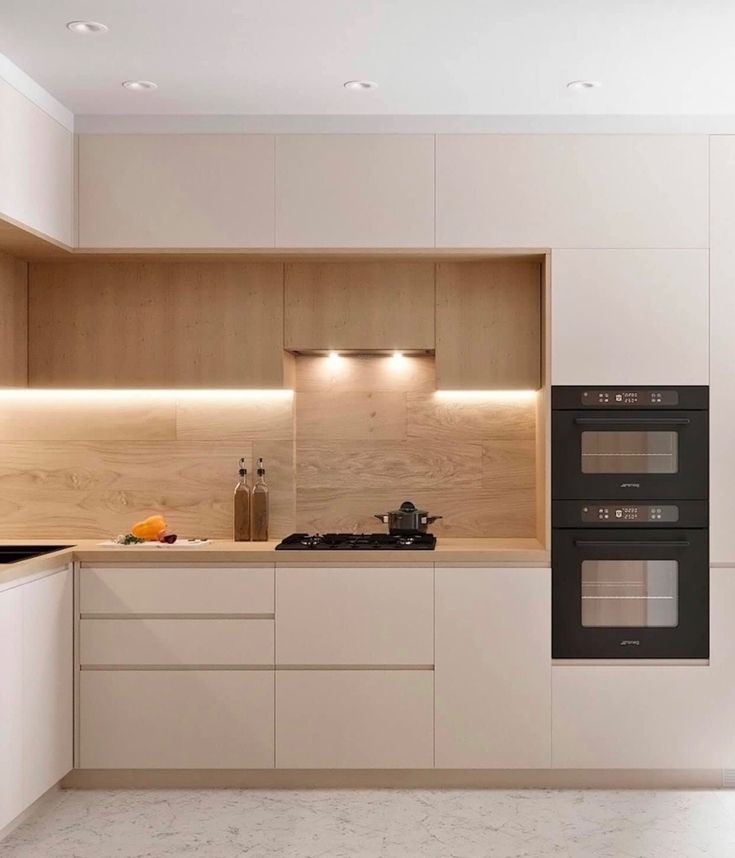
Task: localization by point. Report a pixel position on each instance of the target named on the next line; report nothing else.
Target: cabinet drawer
(192, 719)
(355, 616)
(155, 590)
(354, 719)
(175, 641)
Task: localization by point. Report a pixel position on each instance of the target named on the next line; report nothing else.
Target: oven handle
(636, 421)
(633, 543)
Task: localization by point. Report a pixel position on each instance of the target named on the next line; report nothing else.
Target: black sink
(15, 553)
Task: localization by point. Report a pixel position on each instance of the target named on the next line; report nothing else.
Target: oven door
(625, 456)
(630, 594)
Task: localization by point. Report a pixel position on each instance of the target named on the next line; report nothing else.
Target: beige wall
(356, 438)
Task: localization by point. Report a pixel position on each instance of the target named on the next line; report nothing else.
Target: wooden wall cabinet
(571, 190)
(493, 668)
(36, 168)
(355, 190)
(488, 325)
(157, 324)
(176, 190)
(359, 305)
(621, 317)
(722, 349)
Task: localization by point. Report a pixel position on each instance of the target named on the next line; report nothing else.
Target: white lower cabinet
(176, 719)
(493, 668)
(11, 704)
(36, 681)
(354, 719)
(652, 716)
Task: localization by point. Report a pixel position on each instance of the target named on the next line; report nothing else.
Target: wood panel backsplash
(359, 436)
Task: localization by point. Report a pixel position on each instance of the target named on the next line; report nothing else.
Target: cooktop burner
(357, 542)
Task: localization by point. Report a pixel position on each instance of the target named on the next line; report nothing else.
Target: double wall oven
(630, 542)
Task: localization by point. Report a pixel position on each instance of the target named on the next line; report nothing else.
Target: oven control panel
(638, 513)
(630, 398)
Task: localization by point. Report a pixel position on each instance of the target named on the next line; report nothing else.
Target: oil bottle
(259, 505)
(242, 506)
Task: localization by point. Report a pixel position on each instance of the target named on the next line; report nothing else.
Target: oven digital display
(630, 398)
(626, 513)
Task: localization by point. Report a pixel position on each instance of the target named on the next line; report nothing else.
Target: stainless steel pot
(407, 519)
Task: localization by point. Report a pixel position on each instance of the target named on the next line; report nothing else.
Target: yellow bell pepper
(149, 528)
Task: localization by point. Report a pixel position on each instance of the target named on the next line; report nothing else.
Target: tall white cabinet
(36, 681)
(722, 349)
(630, 317)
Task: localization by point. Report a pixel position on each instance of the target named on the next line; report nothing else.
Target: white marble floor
(380, 823)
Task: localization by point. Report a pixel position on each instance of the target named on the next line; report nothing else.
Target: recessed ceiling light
(139, 85)
(583, 84)
(360, 84)
(85, 28)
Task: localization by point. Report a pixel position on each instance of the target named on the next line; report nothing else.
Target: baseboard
(393, 779)
(30, 811)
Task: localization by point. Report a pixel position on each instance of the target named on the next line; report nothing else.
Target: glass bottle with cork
(242, 506)
(259, 506)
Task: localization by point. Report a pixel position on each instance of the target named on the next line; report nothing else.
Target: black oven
(630, 580)
(630, 515)
(632, 443)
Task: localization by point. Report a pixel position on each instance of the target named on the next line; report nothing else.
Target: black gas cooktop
(357, 542)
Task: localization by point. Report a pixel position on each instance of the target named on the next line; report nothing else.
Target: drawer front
(176, 642)
(155, 590)
(191, 719)
(355, 616)
(354, 719)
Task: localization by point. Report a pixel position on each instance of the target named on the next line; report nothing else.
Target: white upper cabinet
(36, 168)
(493, 668)
(355, 190)
(506, 190)
(176, 190)
(629, 317)
(722, 350)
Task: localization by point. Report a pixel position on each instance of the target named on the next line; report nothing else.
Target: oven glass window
(630, 452)
(630, 593)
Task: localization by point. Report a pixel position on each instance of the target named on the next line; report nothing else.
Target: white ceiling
(466, 57)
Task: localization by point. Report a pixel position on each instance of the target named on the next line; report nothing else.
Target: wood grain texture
(364, 373)
(359, 305)
(246, 419)
(351, 416)
(153, 324)
(445, 418)
(13, 322)
(488, 325)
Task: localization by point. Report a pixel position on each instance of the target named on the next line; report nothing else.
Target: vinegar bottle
(242, 506)
(260, 506)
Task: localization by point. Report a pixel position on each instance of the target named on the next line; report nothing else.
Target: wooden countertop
(449, 552)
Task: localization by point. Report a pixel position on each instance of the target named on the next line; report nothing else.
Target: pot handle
(432, 518)
(383, 518)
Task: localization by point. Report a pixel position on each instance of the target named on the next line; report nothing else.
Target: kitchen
(326, 489)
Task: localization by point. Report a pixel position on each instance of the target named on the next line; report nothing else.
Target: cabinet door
(722, 349)
(169, 719)
(355, 190)
(156, 324)
(573, 190)
(13, 322)
(493, 668)
(11, 705)
(488, 325)
(630, 317)
(48, 623)
(359, 305)
(354, 719)
(355, 616)
(652, 716)
(36, 168)
(176, 190)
